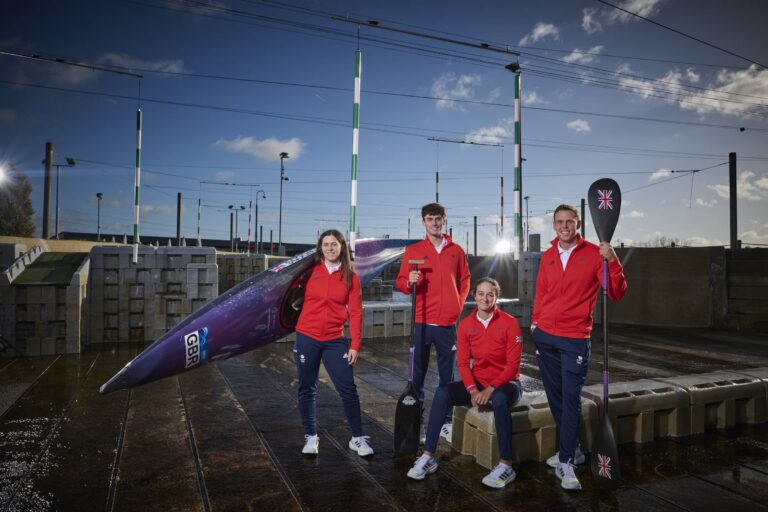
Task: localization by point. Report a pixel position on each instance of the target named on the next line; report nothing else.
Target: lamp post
(256, 230)
(99, 197)
(283, 177)
(70, 163)
(236, 209)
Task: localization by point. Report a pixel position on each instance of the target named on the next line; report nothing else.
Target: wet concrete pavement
(228, 436)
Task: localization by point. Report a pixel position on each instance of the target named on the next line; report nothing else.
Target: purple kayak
(253, 313)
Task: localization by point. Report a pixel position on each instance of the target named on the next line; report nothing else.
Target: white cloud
(645, 8)
(593, 19)
(753, 237)
(451, 87)
(7, 117)
(540, 31)
(660, 173)
(267, 149)
(707, 204)
(225, 176)
(532, 98)
(114, 204)
(583, 56)
(539, 224)
(634, 214)
(729, 92)
(579, 125)
(161, 209)
(746, 187)
(589, 21)
(700, 241)
(489, 134)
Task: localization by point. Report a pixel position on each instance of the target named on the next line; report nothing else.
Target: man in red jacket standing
(570, 276)
(442, 286)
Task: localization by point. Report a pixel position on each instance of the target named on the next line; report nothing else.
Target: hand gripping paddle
(604, 205)
(408, 411)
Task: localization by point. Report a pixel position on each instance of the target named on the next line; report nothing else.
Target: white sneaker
(499, 476)
(311, 444)
(422, 433)
(568, 480)
(578, 458)
(446, 432)
(361, 446)
(423, 466)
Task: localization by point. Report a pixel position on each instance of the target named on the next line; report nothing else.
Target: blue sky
(580, 57)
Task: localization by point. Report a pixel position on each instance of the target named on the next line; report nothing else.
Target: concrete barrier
(534, 434)
(644, 410)
(722, 399)
(234, 268)
(139, 303)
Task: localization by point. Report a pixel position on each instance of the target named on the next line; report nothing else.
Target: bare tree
(16, 205)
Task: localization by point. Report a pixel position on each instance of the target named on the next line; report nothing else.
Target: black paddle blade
(605, 456)
(407, 421)
(604, 198)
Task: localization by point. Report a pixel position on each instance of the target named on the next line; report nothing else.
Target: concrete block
(47, 346)
(644, 410)
(722, 399)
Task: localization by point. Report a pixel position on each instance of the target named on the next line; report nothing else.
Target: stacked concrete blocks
(534, 434)
(644, 410)
(235, 268)
(722, 399)
(139, 303)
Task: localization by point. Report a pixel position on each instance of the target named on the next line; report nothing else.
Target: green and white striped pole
(355, 142)
(137, 185)
(518, 246)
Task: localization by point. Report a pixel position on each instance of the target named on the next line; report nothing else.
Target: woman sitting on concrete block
(494, 341)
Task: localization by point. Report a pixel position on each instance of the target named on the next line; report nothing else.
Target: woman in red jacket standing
(332, 296)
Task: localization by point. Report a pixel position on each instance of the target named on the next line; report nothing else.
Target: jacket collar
(579, 243)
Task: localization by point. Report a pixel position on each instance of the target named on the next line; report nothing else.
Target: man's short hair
(568, 208)
(435, 209)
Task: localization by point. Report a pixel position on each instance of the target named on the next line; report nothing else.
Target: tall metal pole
(178, 219)
(231, 233)
(256, 224)
(199, 208)
(355, 142)
(56, 224)
(137, 185)
(501, 234)
(99, 196)
(250, 210)
(518, 167)
(280, 250)
(271, 244)
(409, 228)
(527, 225)
(47, 190)
(583, 219)
(475, 237)
(437, 186)
(732, 186)
(261, 239)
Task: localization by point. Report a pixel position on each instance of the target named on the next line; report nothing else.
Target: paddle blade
(407, 421)
(605, 456)
(604, 198)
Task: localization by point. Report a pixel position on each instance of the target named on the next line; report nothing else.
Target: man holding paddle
(570, 274)
(442, 286)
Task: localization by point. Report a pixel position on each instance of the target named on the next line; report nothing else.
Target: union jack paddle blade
(604, 460)
(604, 205)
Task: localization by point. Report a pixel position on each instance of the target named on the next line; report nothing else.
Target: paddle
(604, 205)
(408, 411)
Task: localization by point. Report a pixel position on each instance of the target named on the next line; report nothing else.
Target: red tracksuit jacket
(495, 350)
(328, 303)
(444, 283)
(565, 300)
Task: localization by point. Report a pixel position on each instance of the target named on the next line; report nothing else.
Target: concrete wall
(10, 252)
(138, 303)
(234, 268)
(676, 287)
